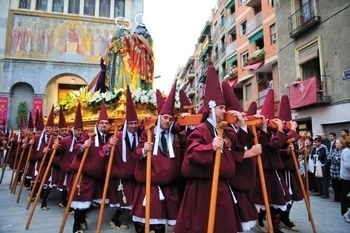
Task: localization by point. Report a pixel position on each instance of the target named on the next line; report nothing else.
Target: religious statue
(129, 59)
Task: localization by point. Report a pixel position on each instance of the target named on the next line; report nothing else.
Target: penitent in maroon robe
(290, 174)
(122, 183)
(165, 175)
(244, 181)
(276, 187)
(197, 167)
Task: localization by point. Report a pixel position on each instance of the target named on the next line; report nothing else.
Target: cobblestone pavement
(13, 216)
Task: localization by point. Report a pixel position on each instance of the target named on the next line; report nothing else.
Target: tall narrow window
(273, 34)
(41, 5)
(248, 92)
(73, 6)
(105, 8)
(89, 7)
(119, 8)
(24, 4)
(57, 6)
(244, 26)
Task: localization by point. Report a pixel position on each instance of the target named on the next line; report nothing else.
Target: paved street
(13, 216)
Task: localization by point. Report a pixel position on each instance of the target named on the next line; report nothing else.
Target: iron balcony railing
(303, 19)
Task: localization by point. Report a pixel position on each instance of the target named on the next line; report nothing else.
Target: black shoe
(324, 196)
(318, 194)
(288, 225)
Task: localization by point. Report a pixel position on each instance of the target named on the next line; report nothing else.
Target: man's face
(103, 126)
(78, 132)
(48, 129)
(220, 113)
(317, 143)
(132, 126)
(343, 134)
(165, 121)
(63, 132)
(331, 137)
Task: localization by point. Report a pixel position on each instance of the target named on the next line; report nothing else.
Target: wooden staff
(307, 203)
(15, 161)
(74, 186)
(14, 183)
(148, 126)
(48, 169)
(262, 180)
(40, 172)
(24, 173)
(8, 152)
(215, 182)
(105, 187)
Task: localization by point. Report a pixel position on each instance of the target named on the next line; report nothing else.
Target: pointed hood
(30, 121)
(49, 121)
(62, 120)
(169, 105)
(40, 122)
(268, 107)
(78, 121)
(23, 123)
(37, 115)
(213, 95)
(231, 100)
(252, 109)
(160, 100)
(184, 101)
(103, 112)
(130, 114)
(285, 113)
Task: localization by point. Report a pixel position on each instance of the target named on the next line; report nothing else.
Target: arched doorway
(20, 92)
(60, 85)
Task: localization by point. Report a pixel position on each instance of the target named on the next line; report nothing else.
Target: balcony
(255, 22)
(231, 48)
(191, 93)
(303, 19)
(252, 3)
(205, 32)
(230, 23)
(190, 74)
(309, 92)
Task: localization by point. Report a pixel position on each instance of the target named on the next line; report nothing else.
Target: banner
(4, 108)
(303, 93)
(37, 105)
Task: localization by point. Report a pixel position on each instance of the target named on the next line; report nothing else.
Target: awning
(231, 60)
(233, 82)
(254, 66)
(230, 4)
(256, 36)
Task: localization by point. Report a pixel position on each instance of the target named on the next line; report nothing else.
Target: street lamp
(158, 76)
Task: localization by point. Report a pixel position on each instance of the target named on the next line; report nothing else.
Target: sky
(175, 27)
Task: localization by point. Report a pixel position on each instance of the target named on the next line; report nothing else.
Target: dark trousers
(323, 183)
(336, 185)
(344, 200)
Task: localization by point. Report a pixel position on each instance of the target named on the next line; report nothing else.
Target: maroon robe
(122, 183)
(90, 184)
(276, 187)
(197, 167)
(244, 181)
(165, 175)
(65, 160)
(290, 174)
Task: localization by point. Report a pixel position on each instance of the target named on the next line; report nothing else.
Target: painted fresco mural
(58, 39)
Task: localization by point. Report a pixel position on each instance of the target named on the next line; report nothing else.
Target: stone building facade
(50, 46)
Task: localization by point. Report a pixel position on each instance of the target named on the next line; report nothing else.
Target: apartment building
(314, 65)
(48, 47)
(240, 41)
